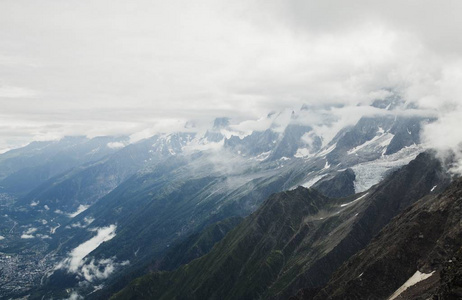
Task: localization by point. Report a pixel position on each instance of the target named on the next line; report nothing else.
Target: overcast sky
(118, 67)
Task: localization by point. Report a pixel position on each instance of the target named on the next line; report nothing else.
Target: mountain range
(275, 213)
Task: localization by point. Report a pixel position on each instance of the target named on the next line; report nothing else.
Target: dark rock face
(256, 143)
(425, 237)
(213, 136)
(337, 186)
(171, 144)
(383, 202)
(365, 130)
(219, 123)
(292, 140)
(450, 285)
(279, 144)
(405, 131)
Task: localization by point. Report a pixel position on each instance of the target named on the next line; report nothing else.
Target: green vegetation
(248, 260)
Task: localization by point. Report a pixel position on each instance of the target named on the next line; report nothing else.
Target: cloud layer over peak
(121, 67)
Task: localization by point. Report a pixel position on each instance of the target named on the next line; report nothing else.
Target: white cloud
(86, 221)
(116, 145)
(27, 236)
(100, 269)
(79, 210)
(148, 67)
(44, 236)
(31, 230)
(75, 296)
(77, 255)
(92, 269)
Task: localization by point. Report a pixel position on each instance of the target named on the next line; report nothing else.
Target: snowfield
(372, 172)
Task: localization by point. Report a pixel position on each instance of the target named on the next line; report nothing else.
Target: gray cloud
(120, 67)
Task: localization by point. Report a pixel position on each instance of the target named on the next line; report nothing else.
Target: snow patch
(263, 156)
(311, 182)
(203, 145)
(433, 188)
(357, 199)
(327, 151)
(372, 172)
(379, 141)
(416, 278)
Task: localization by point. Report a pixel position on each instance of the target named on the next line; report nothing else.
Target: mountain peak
(220, 123)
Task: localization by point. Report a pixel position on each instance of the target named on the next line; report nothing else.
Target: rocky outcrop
(426, 238)
(338, 185)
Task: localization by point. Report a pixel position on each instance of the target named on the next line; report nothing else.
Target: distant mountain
(377, 136)
(296, 238)
(26, 168)
(87, 183)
